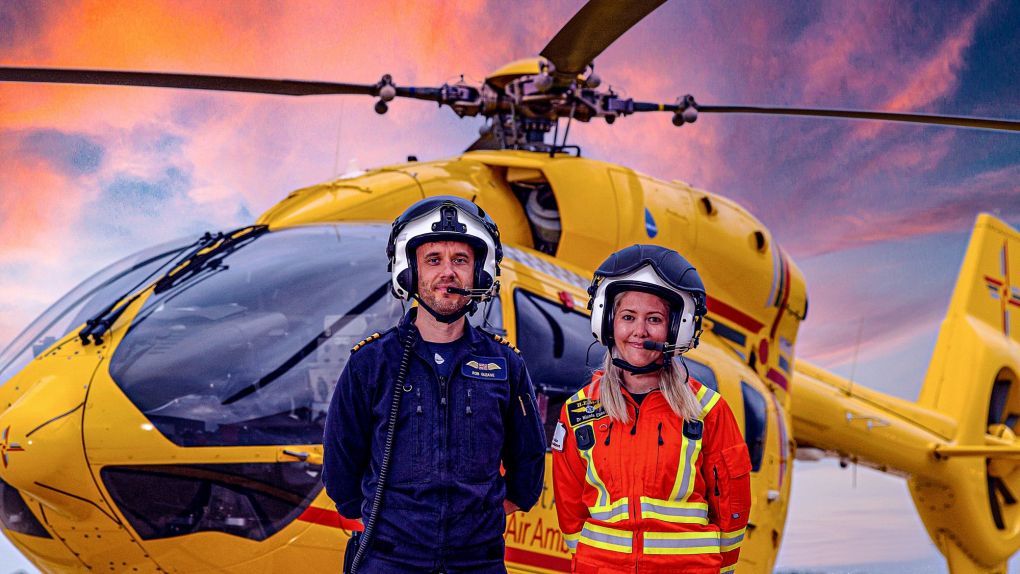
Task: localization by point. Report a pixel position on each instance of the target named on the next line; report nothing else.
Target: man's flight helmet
(656, 270)
(444, 218)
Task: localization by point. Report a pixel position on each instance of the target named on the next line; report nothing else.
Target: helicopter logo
(6, 447)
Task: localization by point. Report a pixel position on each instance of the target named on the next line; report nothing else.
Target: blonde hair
(672, 383)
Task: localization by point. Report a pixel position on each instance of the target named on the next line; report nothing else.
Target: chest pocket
(414, 447)
(476, 420)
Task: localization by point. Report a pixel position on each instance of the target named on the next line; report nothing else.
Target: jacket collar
(406, 325)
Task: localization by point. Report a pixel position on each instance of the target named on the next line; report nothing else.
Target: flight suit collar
(473, 336)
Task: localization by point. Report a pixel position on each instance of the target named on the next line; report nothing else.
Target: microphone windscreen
(653, 346)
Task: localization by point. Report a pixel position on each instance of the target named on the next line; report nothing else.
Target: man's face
(441, 265)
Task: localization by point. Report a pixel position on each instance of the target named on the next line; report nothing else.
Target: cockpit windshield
(84, 301)
(248, 353)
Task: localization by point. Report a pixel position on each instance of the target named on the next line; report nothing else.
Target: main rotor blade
(982, 123)
(595, 26)
(184, 81)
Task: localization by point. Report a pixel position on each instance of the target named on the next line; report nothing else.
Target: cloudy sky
(876, 215)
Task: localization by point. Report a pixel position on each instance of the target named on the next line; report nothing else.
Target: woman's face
(639, 317)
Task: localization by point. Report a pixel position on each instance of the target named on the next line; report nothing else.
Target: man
(464, 406)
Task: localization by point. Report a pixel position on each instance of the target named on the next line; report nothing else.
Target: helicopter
(512, 170)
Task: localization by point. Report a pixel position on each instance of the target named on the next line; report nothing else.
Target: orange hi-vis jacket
(654, 495)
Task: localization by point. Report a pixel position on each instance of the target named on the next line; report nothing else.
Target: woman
(650, 470)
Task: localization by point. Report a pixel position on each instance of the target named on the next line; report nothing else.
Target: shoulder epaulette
(503, 341)
(365, 341)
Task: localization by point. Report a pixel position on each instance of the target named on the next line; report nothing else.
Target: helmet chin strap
(649, 368)
(447, 318)
(635, 370)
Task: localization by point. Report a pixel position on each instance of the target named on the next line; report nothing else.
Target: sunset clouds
(877, 215)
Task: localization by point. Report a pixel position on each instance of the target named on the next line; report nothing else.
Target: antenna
(339, 131)
(853, 365)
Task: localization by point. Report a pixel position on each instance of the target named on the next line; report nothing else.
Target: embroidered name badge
(585, 437)
(693, 429)
(584, 410)
(486, 368)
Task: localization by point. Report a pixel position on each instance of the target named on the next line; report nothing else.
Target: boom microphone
(661, 347)
(471, 293)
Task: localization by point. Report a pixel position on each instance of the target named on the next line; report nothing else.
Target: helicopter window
(701, 373)
(489, 317)
(15, 514)
(84, 301)
(248, 352)
(248, 500)
(755, 420)
(554, 342)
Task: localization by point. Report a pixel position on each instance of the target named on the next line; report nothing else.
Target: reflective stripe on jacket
(654, 494)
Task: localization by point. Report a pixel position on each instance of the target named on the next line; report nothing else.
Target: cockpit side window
(84, 301)
(702, 373)
(755, 422)
(556, 344)
(248, 352)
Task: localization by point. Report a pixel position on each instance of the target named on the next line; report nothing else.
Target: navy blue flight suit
(442, 510)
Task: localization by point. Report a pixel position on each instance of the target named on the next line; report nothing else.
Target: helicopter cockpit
(248, 352)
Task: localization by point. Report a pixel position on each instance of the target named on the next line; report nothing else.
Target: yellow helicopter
(165, 416)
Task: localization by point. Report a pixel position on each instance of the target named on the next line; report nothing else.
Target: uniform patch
(585, 437)
(584, 410)
(487, 368)
(558, 436)
(693, 429)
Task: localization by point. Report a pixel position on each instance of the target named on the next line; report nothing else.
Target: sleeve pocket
(738, 470)
(737, 460)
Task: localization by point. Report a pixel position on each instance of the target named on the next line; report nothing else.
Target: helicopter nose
(41, 448)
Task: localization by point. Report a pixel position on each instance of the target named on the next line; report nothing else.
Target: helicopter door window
(84, 301)
(702, 373)
(250, 354)
(489, 317)
(555, 343)
(755, 422)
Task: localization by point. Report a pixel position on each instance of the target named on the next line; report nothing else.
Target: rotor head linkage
(386, 92)
(686, 112)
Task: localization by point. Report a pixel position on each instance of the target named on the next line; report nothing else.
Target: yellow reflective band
(592, 475)
(675, 512)
(682, 542)
(728, 569)
(708, 399)
(731, 540)
(571, 541)
(607, 538)
(684, 483)
(613, 512)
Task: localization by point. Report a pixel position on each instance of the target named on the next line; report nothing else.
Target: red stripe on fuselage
(735, 315)
(332, 518)
(778, 378)
(329, 518)
(529, 558)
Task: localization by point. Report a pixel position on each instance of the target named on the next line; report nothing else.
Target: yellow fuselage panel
(756, 292)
